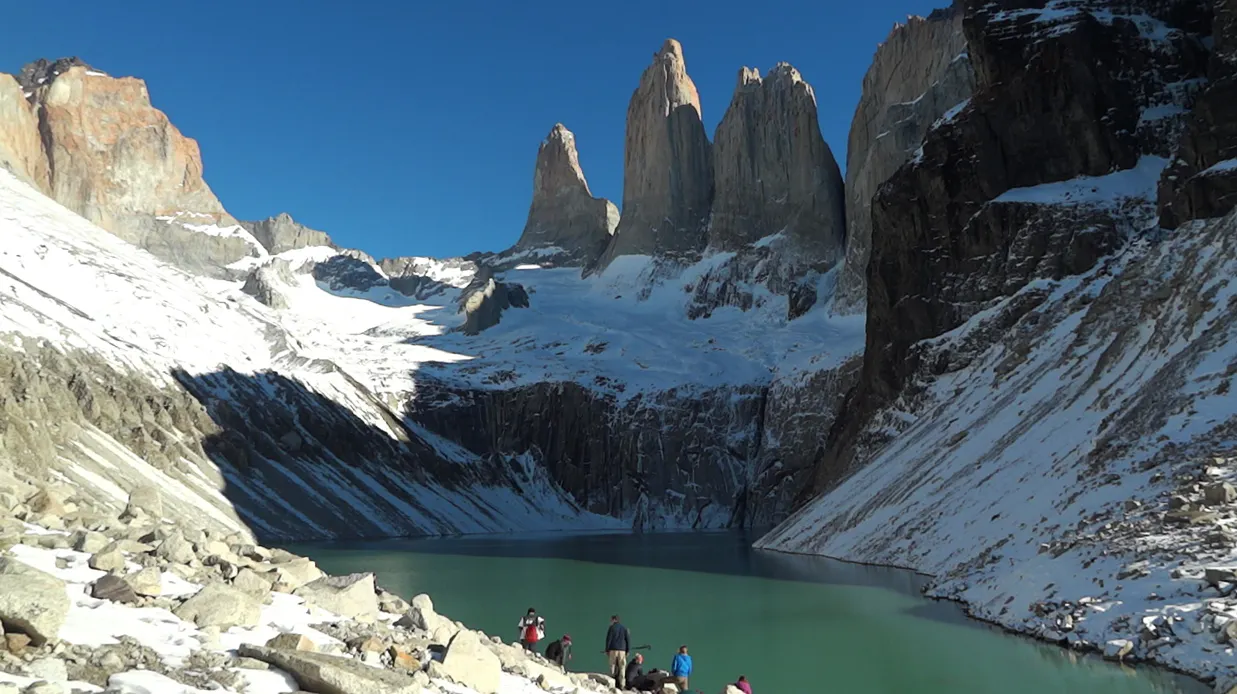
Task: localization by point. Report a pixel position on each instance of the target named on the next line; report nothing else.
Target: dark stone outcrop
(1058, 96)
(564, 217)
(483, 301)
(1202, 180)
(42, 71)
(667, 169)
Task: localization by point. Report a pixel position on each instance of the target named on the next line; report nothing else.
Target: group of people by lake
(627, 674)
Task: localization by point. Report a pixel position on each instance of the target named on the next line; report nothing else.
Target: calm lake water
(791, 624)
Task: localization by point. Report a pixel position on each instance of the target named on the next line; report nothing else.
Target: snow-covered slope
(1064, 476)
(122, 371)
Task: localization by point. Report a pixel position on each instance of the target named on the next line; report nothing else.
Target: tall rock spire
(773, 171)
(564, 214)
(667, 169)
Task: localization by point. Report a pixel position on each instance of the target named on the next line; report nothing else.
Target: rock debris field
(138, 604)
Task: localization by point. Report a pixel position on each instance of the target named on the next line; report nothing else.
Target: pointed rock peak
(785, 72)
(564, 215)
(558, 163)
(671, 50)
(748, 76)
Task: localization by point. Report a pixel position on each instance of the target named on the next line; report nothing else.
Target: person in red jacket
(532, 629)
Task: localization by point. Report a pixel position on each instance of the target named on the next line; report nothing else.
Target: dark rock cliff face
(1202, 180)
(1059, 94)
(920, 72)
(733, 456)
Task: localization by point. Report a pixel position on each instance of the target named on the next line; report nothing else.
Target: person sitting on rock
(532, 629)
(681, 668)
(559, 652)
(635, 672)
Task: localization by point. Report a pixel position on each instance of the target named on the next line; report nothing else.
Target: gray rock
(292, 642)
(114, 588)
(470, 663)
(251, 582)
(327, 674)
(250, 664)
(88, 541)
(42, 687)
(107, 561)
(282, 233)
(49, 669)
(1220, 493)
(296, 572)
(564, 214)
(176, 549)
(144, 500)
(668, 170)
(774, 173)
(920, 71)
(147, 582)
(349, 596)
(221, 606)
(31, 601)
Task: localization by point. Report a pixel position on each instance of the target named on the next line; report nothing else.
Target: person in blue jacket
(681, 668)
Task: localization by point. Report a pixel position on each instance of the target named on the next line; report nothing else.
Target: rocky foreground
(139, 604)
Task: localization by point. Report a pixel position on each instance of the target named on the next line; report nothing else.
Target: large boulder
(421, 615)
(31, 602)
(470, 663)
(668, 167)
(144, 500)
(114, 588)
(348, 596)
(221, 606)
(564, 219)
(329, 674)
(296, 573)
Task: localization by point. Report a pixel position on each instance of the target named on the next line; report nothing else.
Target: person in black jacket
(635, 672)
(618, 642)
(559, 651)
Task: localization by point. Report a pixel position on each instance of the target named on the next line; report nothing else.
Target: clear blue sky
(411, 128)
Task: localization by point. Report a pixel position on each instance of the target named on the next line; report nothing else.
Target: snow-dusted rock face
(1062, 470)
(283, 233)
(667, 169)
(564, 217)
(1061, 91)
(1201, 181)
(119, 162)
(233, 410)
(773, 172)
(920, 71)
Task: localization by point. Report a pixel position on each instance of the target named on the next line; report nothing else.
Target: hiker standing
(681, 668)
(618, 642)
(532, 629)
(559, 651)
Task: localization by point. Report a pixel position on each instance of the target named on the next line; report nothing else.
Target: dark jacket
(634, 672)
(558, 651)
(617, 638)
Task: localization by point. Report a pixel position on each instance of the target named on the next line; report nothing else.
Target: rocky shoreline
(135, 603)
